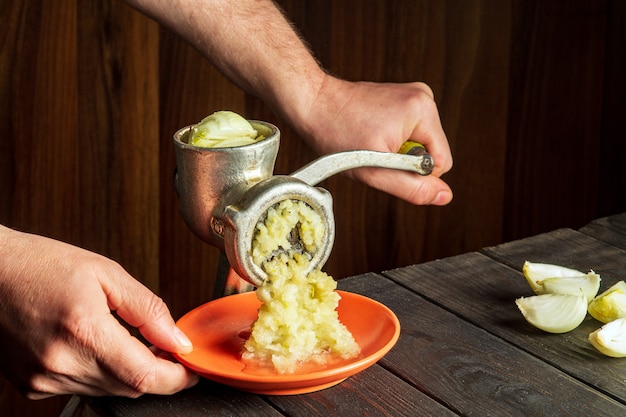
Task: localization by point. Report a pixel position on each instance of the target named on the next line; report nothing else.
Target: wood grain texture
(373, 392)
(556, 95)
(79, 136)
(221, 401)
(613, 146)
(530, 95)
(38, 76)
(487, 299)
(376, 391)
(608, 229)
(473, 371)
(117, 146)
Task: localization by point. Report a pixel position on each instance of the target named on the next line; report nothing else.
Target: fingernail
(442, 197)
(182, 338)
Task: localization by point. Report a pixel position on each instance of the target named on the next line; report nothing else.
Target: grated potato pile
(297, 321)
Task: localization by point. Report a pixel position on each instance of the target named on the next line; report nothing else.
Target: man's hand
(331, 114)
(381, 116)
(59, 335)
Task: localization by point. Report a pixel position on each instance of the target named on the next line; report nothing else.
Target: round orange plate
(216, 330)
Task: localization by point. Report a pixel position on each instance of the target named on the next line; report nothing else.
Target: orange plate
(215, 329)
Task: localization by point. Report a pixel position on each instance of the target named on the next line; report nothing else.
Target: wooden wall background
(531, 93)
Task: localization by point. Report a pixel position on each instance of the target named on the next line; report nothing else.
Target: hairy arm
(253, 44)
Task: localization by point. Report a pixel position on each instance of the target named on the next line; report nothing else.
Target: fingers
(68, 342)
(141, 308)
(138, 370)
(105, 359)
(381, 117)
(151, 316)
(416, 189)
(135, 365)
(429, 132)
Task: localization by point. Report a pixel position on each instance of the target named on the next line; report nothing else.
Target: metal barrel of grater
(224, 192)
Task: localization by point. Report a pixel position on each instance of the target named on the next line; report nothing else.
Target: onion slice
(554, 313)
(610, 305)
(589, 284)
(223, 129)
(536, 273)
(610, 339)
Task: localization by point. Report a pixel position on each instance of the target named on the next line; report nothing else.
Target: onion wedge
(554, 313)
(610, 305)
(536, 273)
(588, 283)
(610, 339)
(223, 129)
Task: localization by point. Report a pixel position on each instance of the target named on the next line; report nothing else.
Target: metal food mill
(225, 192)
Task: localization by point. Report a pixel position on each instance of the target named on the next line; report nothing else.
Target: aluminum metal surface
(224, 192)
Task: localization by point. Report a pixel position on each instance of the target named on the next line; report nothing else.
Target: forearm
(5, 251)
(251, 43)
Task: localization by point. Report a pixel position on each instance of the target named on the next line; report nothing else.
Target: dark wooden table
(464, 347)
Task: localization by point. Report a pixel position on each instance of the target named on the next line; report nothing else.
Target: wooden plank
(38, 119)
(612, 181)
(206, 398)
(465, 367)
(564, 247)
(41, 120)
(560, 57)
(117, 139)
(608, 229)
(483, 292)
(373, 392)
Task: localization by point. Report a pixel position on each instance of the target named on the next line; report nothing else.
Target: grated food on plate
(298, 321)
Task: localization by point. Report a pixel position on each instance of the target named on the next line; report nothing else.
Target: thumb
(142, 309)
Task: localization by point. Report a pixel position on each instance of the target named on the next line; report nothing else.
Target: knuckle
(157, 309)
(142, 382)
(78, 328)
(426, 89)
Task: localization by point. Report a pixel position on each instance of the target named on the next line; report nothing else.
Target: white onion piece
(610, 305)
(589, 284)
(536, 273)
(610, 339)
(554, 313)
(223, 129)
